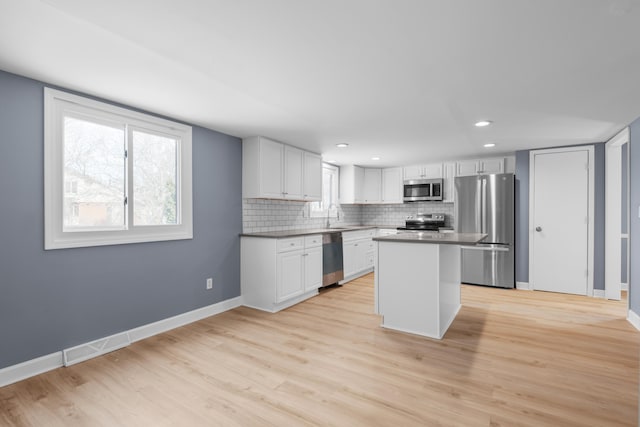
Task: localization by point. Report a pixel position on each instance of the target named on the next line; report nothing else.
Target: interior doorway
(615, 215)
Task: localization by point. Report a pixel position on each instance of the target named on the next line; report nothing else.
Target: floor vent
(95, 348)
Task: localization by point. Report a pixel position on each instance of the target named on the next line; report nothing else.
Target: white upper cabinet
(392, 185)
(423, 171)
(272, 170)
(372, 185)
(312, 182)
(262, 163)
(479, 166)
(293, 164)
(351, 184)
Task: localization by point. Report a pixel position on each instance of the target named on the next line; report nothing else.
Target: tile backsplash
(275, 215)
(395, 215)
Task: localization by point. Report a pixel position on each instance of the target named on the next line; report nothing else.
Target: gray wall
(522, 216)
(51, 300)
(634, 220)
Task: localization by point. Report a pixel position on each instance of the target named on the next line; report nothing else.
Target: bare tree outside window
(154, 179)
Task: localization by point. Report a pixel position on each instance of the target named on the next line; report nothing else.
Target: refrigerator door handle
(483, 205)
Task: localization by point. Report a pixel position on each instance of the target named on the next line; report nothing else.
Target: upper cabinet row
(373, 185)
(272, 170)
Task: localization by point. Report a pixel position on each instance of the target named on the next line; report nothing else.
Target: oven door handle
(495, 248)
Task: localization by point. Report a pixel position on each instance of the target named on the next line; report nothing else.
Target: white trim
(613, 214)
(591, 208)
(40, 365)
(599, 293)
(165, 325)
(634, 319)
(22, 371)
(523, 285)
(624, 286)
(58, 104)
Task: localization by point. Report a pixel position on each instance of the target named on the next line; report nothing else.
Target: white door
(560, 243)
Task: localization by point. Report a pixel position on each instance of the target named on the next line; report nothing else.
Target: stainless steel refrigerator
(485, 204)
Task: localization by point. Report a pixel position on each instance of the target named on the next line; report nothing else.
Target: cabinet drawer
(313, 241)
(290, 244)
(358, 234)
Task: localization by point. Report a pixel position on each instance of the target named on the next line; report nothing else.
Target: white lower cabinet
(357, 253)
(278, 273)
(290, 279)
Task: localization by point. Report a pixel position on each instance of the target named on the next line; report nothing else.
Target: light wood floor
(511, 358)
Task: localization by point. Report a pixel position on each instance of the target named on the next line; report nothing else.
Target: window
(112, 175)
(329, 204)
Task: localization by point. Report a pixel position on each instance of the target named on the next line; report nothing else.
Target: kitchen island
(417, 280)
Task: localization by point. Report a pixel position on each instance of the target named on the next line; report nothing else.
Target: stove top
(424, 221)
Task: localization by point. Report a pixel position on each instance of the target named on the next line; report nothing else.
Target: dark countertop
(309, 231)
(433, 237)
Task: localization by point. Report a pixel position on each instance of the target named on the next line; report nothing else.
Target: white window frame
(321, 208)
(56, 104)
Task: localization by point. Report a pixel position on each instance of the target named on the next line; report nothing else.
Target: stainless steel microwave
(423, 190)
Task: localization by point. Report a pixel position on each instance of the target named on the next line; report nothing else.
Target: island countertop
(433, 237)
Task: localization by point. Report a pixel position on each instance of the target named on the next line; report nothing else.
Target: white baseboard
(523, 285)
(599, 293)
(30, 368)
(624, 286)
(634, 319)
(40, 365)
(164, 325)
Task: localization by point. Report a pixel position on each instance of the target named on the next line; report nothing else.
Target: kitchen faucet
(329, 214)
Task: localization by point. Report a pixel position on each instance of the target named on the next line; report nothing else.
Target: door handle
(538, 229)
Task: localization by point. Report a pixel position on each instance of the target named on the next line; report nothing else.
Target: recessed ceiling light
(483, 123)
(342, 145)
(489, 145)
(375, 158)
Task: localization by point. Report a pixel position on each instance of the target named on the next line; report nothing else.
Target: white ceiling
(404, 80)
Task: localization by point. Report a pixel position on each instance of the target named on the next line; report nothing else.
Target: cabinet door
(313, 268)
(312, 182)
(491, 165)
(413, 172)
(293, 164)
(433, 171)
(392, 185)
(290, 279)
(358, 184)
(448, 182)
(349, 258)
(271, 156)
(466, 168)
(372, 185)
(361, 255)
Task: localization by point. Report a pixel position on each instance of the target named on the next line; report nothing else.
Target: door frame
(591, 208)
(613, 215)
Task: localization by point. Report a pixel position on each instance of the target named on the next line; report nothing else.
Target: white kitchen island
(417, 280)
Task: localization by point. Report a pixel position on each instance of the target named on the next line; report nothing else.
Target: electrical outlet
(210, 283)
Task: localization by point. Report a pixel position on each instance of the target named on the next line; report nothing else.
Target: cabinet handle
(305, 254)
(292, 244)
(355, 244)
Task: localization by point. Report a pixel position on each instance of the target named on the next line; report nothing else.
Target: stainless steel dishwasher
(332, 266)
